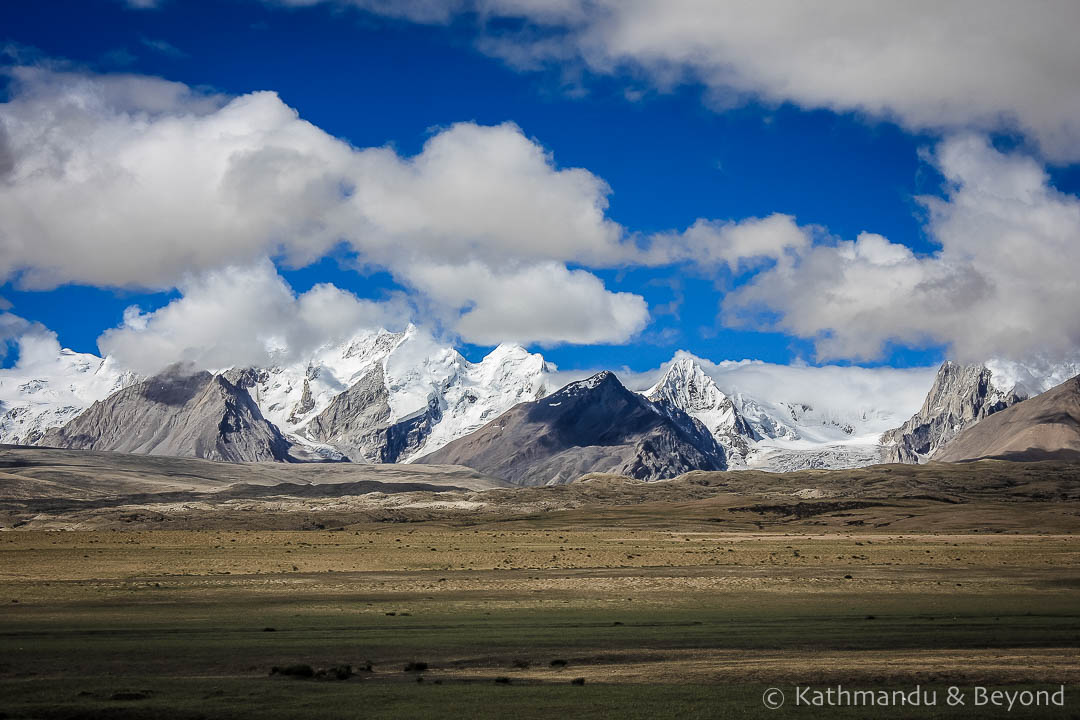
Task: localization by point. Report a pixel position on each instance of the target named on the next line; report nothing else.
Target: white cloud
(243, 316)
(126, 180)
(12, 328)
(972, 63)
(738, 245)
(45, 373)
(485, 193)
(1003, 283)
(249, 316)
(895, 393)
(545, 304)
(982, 64)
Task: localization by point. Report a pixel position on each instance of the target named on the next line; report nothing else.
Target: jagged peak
(684, 369)
(604, 378)
(683, 363)
(684, 357)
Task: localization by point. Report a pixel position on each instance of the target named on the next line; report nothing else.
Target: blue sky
(670, 153)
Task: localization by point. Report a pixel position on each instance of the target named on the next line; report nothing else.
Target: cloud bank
(985, 64)
(131, 181)
(1004, 282)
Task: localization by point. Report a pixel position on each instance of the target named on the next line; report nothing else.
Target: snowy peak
(50, 386)
(427, 395)
(479, 392)
(603, 379)
(290, 396)
(687, 387)
(511, 353)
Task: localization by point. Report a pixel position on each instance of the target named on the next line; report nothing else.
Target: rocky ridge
(593, 425)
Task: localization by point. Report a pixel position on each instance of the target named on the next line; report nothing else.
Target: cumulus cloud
(129, 180)
(244, 316)
(1002, 284)
(250, 316)
(973, 63)
(38, 351)
(12, 327)
(125, 180)
(486, 193)
(545, 304)
(739, 245)
(983, 64)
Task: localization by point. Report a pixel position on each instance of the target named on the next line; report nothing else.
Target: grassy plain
(679, 622)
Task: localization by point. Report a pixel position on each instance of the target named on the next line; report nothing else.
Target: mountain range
(385, 397)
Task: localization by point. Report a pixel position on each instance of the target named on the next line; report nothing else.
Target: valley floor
(497, 617)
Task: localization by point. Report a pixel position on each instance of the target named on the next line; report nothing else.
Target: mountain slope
(391, 397)
(357, 423)
(686, 386)
(963, 395)
(178, 413)
(50, 386)
(1046, 426)
(594, 425)
(356, 420)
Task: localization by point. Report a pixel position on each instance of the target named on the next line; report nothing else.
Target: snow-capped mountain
(686, 386)
(773, 425)
(480, 392)
(962, 395)
(291, 395)
(391, 397)
(592, 425)
(386, 396)
(50, 386)
(432, 394)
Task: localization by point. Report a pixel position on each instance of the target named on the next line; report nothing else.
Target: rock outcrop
(358, 423)
(1045, 427)
(960, 396)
